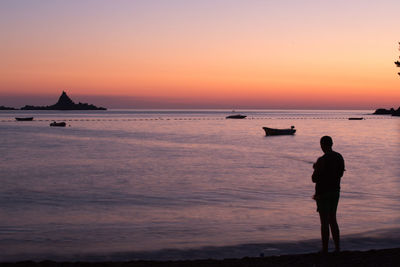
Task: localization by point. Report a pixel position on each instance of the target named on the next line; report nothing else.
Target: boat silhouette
(236, 116)
(58, 124)
(274, 131)
(24, 119)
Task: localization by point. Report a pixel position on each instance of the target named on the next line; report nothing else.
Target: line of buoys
(207, 118)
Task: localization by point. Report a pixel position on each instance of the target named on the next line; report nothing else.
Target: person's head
(326, 143)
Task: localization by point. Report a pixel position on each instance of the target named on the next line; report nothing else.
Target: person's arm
(317, 171)
(342, 166)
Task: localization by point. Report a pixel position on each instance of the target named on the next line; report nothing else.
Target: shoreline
(379, 239)
(379, 257)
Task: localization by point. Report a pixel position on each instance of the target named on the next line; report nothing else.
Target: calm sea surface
(126, 184)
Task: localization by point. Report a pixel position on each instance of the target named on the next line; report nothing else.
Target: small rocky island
(65, 103)
(6, 108)
(392, 111)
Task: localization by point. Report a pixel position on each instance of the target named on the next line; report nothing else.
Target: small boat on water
(58, 124)
(24, 118)
(273, 131)
(236, 116)
(356, 118)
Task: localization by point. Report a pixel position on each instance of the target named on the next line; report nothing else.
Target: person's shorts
(328, 202)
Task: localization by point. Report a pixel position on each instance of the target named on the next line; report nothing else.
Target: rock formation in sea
(392, 111)
(6, 108)
(65, 103)
(382, 111)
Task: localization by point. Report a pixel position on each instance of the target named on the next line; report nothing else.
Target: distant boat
(25, 119)
(237, 116)
(272, 131)
(356, 118)
(58, 124)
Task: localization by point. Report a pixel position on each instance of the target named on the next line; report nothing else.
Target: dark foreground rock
(64, 103)
(383, 257)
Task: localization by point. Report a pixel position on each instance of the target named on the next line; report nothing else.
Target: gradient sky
(208, 53)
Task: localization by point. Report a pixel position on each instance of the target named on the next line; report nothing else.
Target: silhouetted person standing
(328, 171)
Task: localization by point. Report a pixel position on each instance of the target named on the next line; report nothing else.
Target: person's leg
(324, 217)
(333, 222)
(335, 231)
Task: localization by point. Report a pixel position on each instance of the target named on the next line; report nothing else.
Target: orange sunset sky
(201, 54)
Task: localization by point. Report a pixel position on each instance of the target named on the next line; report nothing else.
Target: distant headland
(6, 108)
(392, 111)
(64, 103)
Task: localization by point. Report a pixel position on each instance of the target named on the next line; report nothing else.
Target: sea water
(185, 184)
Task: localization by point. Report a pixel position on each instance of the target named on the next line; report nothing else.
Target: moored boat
(273, 131)
(236, 116)
(58, 124)
(356, 118)
(24, 118)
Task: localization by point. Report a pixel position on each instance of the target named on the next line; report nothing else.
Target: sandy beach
(382, 257)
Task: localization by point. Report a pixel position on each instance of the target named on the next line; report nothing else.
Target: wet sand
(382, 257)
